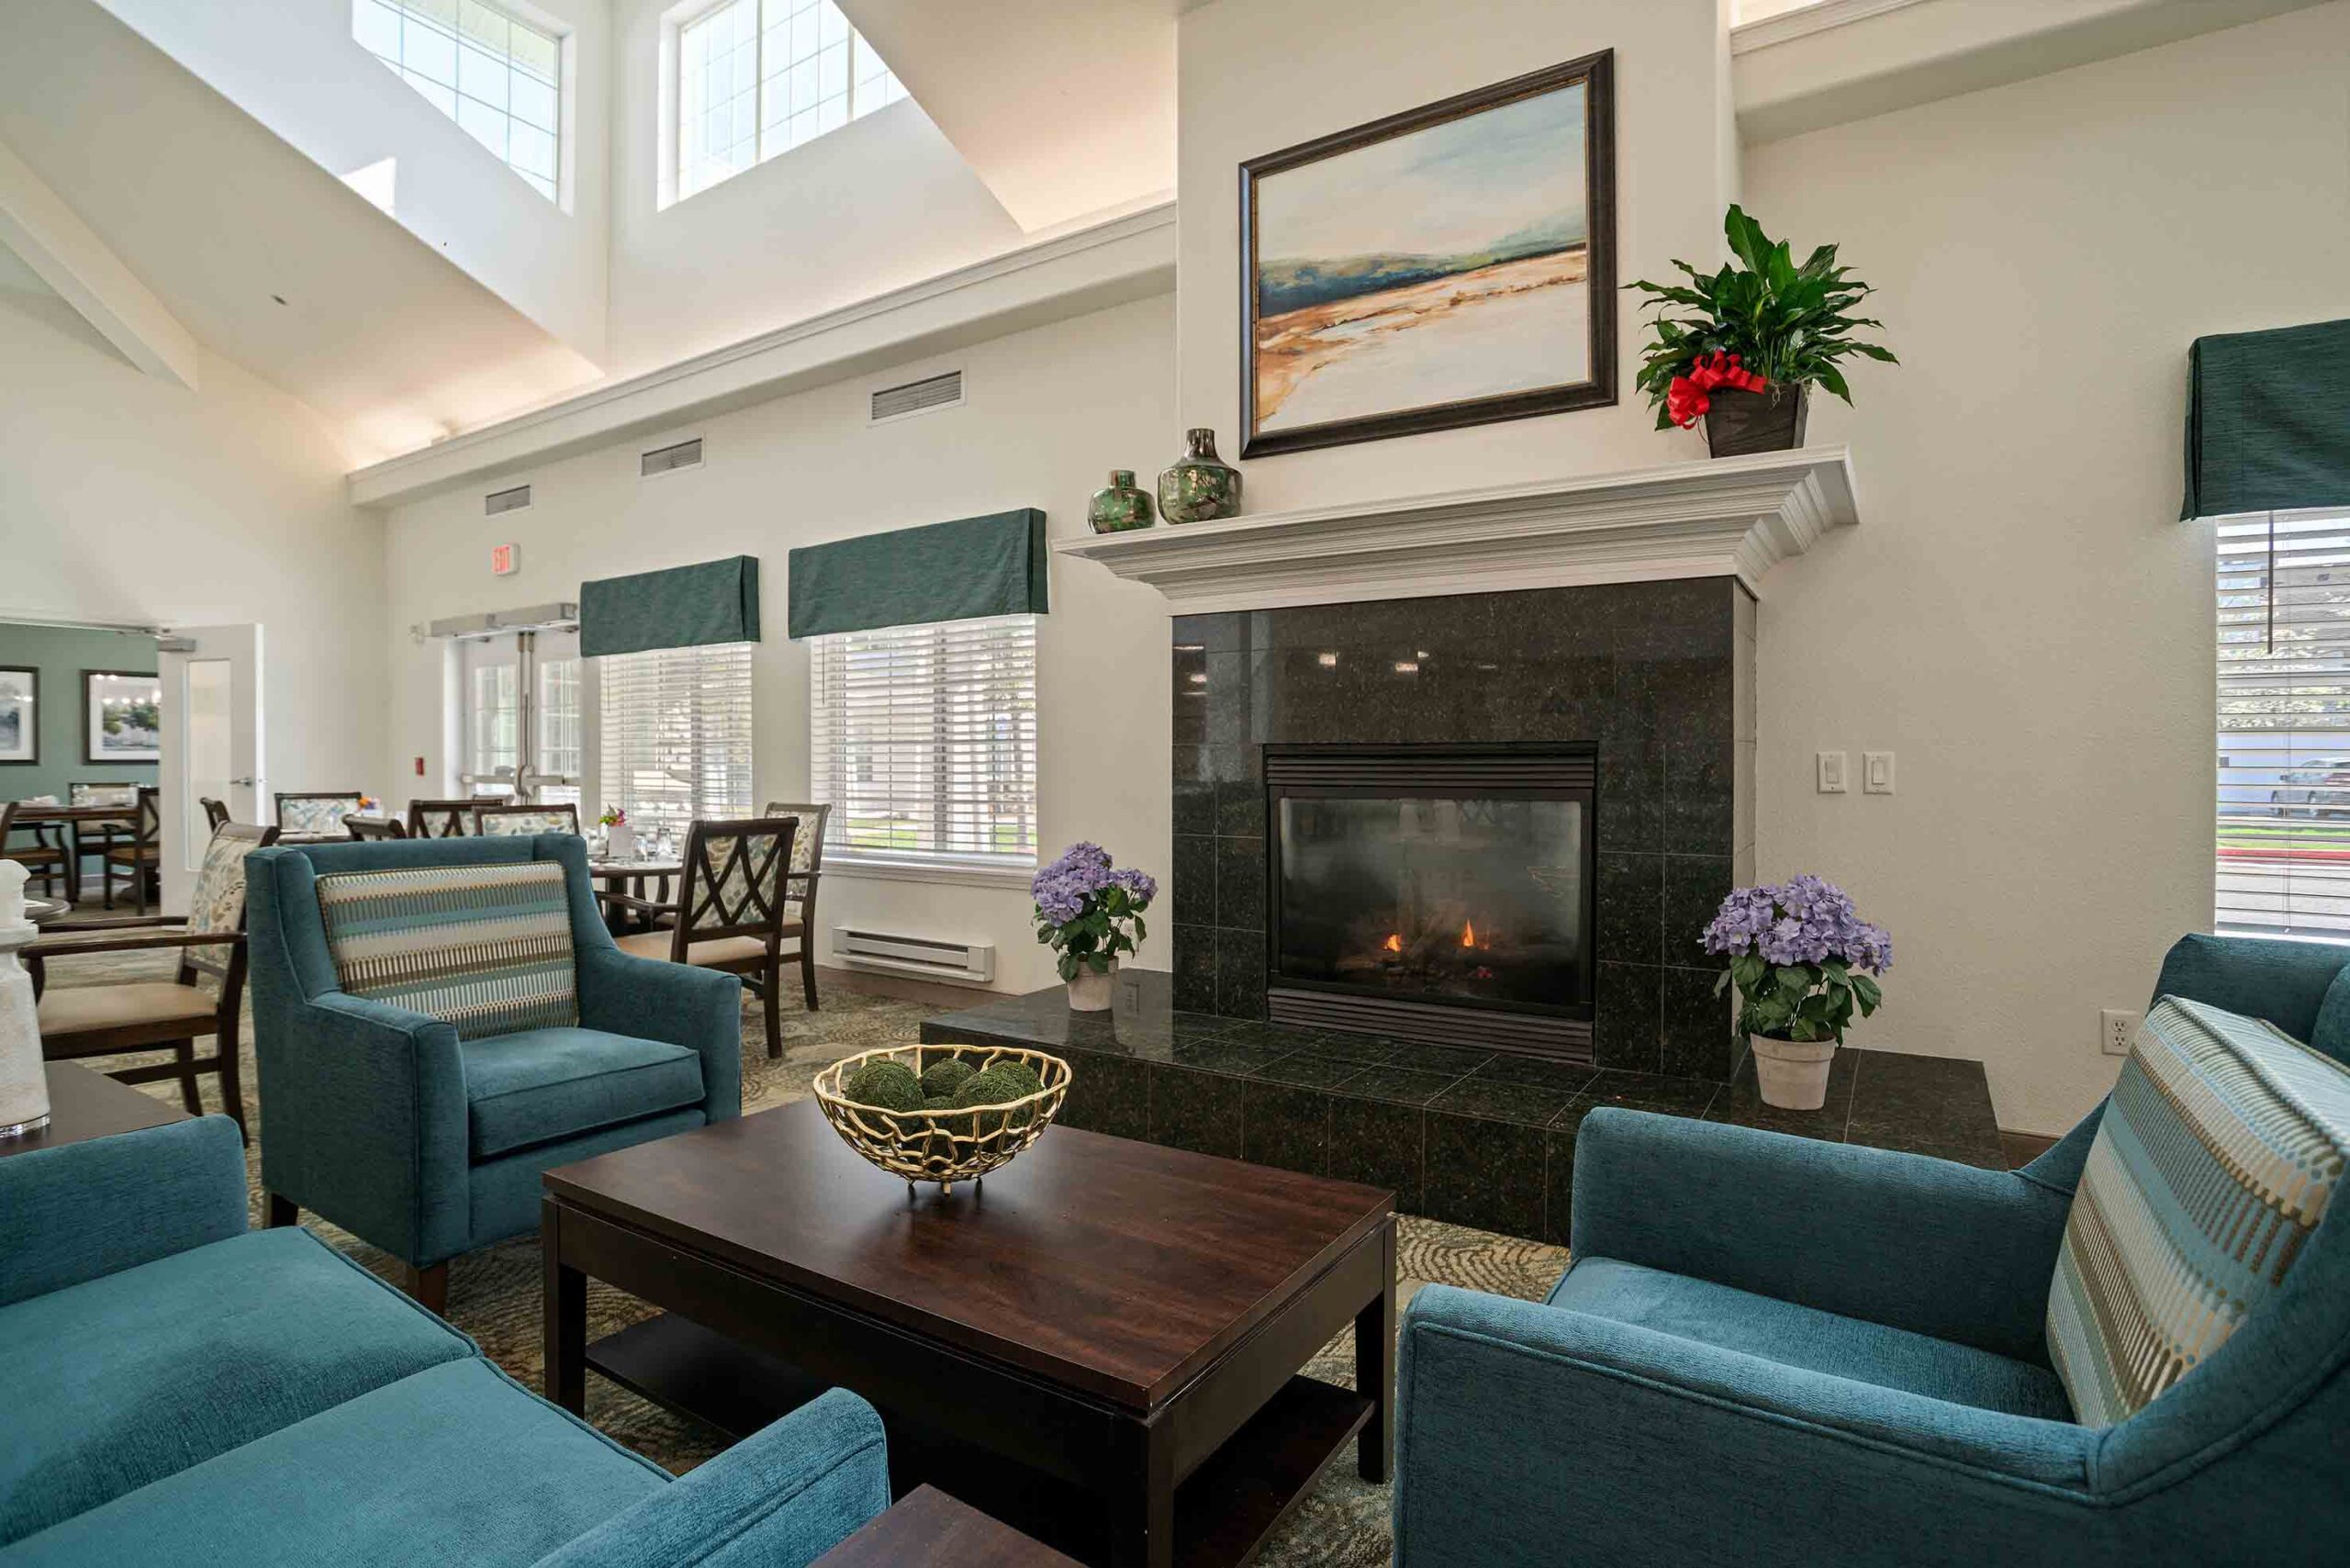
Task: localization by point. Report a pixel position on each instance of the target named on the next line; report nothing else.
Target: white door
(212, 743)
(522, 727)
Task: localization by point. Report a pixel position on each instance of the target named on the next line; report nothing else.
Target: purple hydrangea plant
(1801, 957)
(1085, 907)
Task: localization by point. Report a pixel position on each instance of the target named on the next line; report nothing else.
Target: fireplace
(1439, 893)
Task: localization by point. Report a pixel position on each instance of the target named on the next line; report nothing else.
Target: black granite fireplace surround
(1652, 681)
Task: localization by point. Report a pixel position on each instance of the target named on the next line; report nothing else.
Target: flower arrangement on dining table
(1089, 911)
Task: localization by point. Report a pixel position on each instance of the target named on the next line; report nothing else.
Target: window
(760, 77)
(925, 741)
(2284, 686)
(561, 749)
(499, 77)
(675, 725)
(496, 714)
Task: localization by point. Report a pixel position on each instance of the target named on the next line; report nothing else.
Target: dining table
(629, 878)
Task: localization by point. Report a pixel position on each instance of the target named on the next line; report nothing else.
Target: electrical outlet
(2115, 1030)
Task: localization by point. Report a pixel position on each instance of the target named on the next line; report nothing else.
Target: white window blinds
(2284, 724)
(676, 729)
(925, 741)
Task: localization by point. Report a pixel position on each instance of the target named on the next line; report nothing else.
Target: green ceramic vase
(1200, 485)
(1119, 505)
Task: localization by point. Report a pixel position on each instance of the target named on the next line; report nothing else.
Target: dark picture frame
(1595, 74)
(92, 722)
(29, 716)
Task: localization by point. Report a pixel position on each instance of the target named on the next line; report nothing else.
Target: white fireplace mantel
(1730, 517)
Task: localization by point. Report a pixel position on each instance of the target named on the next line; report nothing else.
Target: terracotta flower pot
(1740, 422)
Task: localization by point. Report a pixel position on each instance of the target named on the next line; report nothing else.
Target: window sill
(954, 872)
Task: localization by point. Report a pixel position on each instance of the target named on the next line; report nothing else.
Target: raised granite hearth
(1655, 678)
(1475, 1137)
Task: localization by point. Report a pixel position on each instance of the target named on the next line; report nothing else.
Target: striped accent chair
(1774, 1350)
(438, 1021)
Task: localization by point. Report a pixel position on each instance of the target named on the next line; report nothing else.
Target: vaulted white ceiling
(268, 258)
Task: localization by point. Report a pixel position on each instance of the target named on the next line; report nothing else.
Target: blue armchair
(183, 1391)
(437, 1021)
(1771, 1351)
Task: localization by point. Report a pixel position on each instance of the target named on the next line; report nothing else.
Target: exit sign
(505, 560)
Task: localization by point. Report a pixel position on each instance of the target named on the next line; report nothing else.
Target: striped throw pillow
(2222, 1146)
(484, 948)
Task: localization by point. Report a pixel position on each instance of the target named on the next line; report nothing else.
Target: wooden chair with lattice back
(124, 1017)
(507, 819)
(140, 857)
(731, 901)
(807, 871)
(363, 827)
(446, 819)
(216, 812)
(43, 860)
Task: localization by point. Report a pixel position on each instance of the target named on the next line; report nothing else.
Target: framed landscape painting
(1452, 265)
(122, 717)
(19, 715)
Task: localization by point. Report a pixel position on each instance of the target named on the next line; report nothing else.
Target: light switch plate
(1877, 772)
(1834, 768)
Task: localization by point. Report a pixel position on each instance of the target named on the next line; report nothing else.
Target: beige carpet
(494, 1295)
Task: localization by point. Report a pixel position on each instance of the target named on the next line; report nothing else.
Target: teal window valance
(684, 607)
(2268, 420)
(948, 571)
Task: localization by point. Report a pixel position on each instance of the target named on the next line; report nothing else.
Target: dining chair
(729, 911)
(446, 819)
(41, 860)
(120, 1017)
(140, 857)
(316, 817)
(508, 821)
(807, 869)
(80, 838)
(216, 812)
(364, 827)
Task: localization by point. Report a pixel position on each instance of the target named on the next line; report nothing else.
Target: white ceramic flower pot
(1092, 993)
(1792, 1074)
(620, 841)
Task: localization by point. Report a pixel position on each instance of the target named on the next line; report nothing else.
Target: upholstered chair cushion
(2215, 1160)
(83, 1009)
(486, 948)
(522, 824)
(302, 815)
(714, 951)
(218, 902)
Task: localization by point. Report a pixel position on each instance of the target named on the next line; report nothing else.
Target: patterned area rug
(494, 1295)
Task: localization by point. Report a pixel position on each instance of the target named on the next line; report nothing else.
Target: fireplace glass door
(1443, 889)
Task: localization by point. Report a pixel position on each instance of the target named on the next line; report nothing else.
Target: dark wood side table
(927, 1528)
(85, 1105)
(1102, 1340)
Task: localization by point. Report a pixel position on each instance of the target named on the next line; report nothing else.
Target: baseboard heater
(953, 963)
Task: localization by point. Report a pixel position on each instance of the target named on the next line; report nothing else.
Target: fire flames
(1394, 943)
(1468, 934)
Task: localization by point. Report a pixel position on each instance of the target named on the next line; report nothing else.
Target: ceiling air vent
(499, 501)
(669, 459)
(922, 396)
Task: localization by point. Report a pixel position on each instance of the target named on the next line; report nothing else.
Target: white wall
(1259, 76)
(882, 202)
(123, 498)
(1050, 411)
(294, 66)
(2020, 616)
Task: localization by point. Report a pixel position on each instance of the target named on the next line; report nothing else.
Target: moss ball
(891, 1085)
(944, 1077)
(995, 1087)
(937, 1102)
(1013, 1070)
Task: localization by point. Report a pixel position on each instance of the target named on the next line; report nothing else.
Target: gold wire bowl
(943, 1145)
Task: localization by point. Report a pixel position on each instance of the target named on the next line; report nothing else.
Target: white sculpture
(24, 1086)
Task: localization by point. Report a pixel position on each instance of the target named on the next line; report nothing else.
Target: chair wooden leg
(807, 973)
(106, 875)
(429, 1287)
(278, 1212)
(190, 1095)
(138, 886)
(775, 1022)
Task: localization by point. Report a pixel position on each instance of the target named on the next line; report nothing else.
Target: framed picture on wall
(1451, 266)
(122, 717)
(19, 716)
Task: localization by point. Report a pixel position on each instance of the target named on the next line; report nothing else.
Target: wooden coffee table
(929, 1529)
(1099, 1344)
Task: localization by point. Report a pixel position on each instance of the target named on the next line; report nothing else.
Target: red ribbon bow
(1686, 399)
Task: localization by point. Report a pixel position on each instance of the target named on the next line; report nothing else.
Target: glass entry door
(522, 728)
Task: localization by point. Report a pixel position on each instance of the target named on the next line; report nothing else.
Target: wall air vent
(501, 501)
(924, 396)
(669, 459)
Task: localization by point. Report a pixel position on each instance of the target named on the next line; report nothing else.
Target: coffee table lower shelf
(1224, 1511)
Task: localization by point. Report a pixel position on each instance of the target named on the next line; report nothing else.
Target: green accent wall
(62, 654)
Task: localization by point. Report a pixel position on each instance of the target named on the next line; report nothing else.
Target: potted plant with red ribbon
(1740, 348)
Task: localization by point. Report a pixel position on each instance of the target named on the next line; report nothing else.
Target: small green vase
(1200, 485)
(1120, 505)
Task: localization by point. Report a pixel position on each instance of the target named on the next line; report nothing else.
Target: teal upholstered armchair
(439, 1021)
(1772, 1350)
